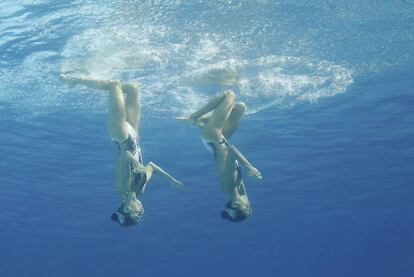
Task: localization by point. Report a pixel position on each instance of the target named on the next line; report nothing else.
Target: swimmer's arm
(153, 168)
(254, 172)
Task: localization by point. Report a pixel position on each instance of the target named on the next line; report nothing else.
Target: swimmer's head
(236, 211)
(131, 211)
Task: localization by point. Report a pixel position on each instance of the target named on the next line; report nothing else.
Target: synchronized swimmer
(132, 176)
(218, 127)
(219, 119)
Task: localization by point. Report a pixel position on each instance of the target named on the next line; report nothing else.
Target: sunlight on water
(257, 48)
(191, 72)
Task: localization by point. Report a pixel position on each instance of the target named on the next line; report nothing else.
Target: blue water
(330, 124)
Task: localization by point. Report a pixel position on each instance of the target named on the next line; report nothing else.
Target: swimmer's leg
(202, 121)
(92, 83)
(233, 121)
(117, 112)
(211, 105)
(213, 129)
(133, 104)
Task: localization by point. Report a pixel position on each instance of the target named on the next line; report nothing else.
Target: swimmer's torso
(228, 170)
(128, 176)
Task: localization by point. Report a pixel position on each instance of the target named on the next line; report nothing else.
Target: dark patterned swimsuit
(224, 146)
(132, 145)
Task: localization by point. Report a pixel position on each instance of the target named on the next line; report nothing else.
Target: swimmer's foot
(184, 118)
(70, 80)
(195, 122)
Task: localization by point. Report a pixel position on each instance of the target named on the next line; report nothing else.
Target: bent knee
(240, 107)
(229, 95)
(237, 112)
(212, 134)
(131, 87)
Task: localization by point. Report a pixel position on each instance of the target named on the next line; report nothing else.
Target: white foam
(177, 72)
(272, 81)
(100, 53)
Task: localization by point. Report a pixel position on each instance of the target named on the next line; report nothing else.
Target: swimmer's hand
(254, 172)
(178, 185)
(251, 170)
